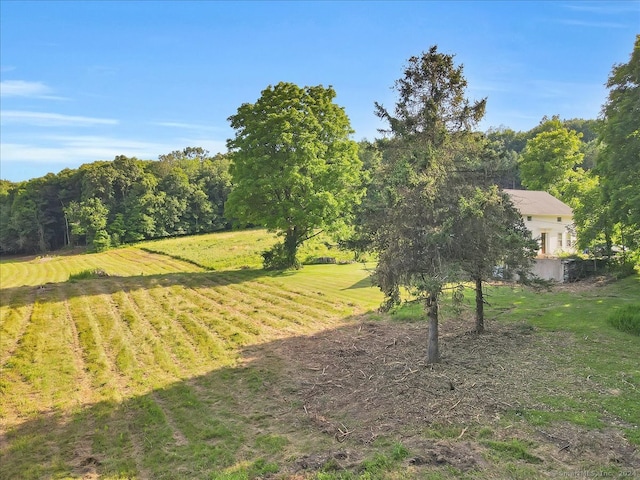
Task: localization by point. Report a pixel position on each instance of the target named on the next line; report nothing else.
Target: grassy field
(238, 249)
(187, 361)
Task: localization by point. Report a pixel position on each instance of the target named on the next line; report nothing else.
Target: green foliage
(88, 219)
(432, 215)
(549, 159)
(31, 214)
(516, 449)
(279, 257)
(626, 319)
(619, 161)
(294, 168)
(490, 231)
(432, 103)
(129, 199)
(408, 219)
(101, 241)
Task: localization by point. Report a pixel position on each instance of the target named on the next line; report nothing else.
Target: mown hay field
(87, 364)
(208, 367)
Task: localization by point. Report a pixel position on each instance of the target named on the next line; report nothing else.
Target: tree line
(110, 203)
(592, 165)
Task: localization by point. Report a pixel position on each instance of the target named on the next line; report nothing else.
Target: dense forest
(109, 203)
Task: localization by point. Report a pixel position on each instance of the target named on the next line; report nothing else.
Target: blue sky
(89, 80)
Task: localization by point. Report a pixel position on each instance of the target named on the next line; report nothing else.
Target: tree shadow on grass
(26, 258)
(303, 403)
(366, 282)
(49, 292)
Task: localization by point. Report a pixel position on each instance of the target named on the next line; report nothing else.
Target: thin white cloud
(103, 70)
(563, 90)
(73, 150)
(186, 126)
(44, 119)
(605, 8)
(21, 88)
(590, 24)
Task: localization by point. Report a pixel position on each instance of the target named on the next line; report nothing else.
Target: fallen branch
(341, 435)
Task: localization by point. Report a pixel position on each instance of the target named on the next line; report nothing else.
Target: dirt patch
(585, 284)
(376, 375)
(369, 381)
(572, 443)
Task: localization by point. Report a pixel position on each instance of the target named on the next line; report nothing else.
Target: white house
(549, 220)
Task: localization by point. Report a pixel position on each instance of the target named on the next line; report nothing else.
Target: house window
(543, 243)
(559, 219)
(528, 218)
(560, 240)
(569, 241)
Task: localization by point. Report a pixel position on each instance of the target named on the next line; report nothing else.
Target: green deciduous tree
(88, 220)
(209, 183)
(7, 232)
(294, 167)
(594, 221)
(550, 158)
(619, 161)
(214, 180)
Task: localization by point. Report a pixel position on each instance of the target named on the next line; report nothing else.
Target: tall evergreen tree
(435, 217)
(412, 231)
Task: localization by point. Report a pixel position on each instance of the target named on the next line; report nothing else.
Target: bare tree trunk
(433, 354)
(291, 246)
(479, 306)
(42, 244)
(67, 239)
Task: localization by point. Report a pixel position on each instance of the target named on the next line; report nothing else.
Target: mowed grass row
(30, 271)
(217, 251)
(240, 249)
(111, 375)
(346, 282)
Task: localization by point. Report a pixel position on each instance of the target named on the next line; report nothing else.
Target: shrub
(101, 242)
(277, 258)
(86, 274)
(626, 319)
(622, 269)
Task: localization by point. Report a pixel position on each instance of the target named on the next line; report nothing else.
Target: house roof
(533, 202)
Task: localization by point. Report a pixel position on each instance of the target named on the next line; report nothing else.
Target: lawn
(188, 361)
